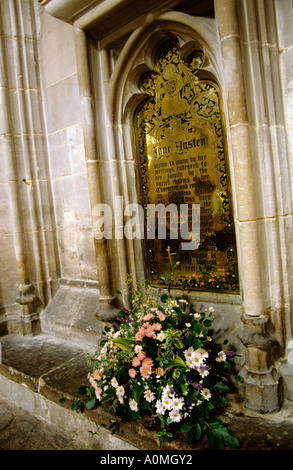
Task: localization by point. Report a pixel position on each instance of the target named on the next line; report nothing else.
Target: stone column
(107, 297)
(261, 387)
(27, 298)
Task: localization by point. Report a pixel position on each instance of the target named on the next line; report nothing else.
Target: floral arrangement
(159, 360)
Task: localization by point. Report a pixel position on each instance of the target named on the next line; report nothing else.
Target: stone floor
(35, 372)
(19, 430)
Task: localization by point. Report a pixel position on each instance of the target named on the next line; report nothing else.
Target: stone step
(37, 371)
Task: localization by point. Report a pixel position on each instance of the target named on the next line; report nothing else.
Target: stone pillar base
(261, 392)
(106, 311)
(261, 389)
(28, 321)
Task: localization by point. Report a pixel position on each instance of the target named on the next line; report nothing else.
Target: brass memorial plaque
(181, 160)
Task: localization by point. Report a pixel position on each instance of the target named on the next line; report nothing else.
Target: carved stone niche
(108, 35)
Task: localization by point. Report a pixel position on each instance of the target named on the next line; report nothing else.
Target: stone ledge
(49, 369)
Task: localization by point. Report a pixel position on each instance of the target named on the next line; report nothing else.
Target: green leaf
(62, 401)
(202, 424)
(223, 433)
(118, 291)
(197, 343)
(196, 326)
(185, 428)
(189, 437)
(164, 298)
(222, 401)
(222, 387)
(76, 405)
(129, 298)
(210, 435)
(183, 386)
(82, 390)
(137, 392)
(90, 403)
(178, 343)
(177, 362)
(218, 443)
(145, 405)
(196, 431)
(126, 344)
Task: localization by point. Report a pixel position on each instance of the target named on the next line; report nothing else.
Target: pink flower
(157, 326)
(92, 382)
(159, 371)
(135, 362)
(148, 362)
(148, 317)
(145, 371)
(132, 373)
(98, 393)
(161, 316)
(150, 332)
(141, 355)
(97, 375)
(140, 334)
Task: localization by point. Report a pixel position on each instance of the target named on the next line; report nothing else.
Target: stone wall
(67, 85)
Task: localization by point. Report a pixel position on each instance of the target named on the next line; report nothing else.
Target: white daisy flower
(189, 353)
(177, 403)
(133, 405)
(175, 416)
(120, 391)
(160, 408)
(167, 402)
(206, 393)
(149, 396)
(114, 382)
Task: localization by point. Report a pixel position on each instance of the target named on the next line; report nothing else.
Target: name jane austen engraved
(180, 146)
